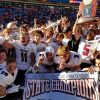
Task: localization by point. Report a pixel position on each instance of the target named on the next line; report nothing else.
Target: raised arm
(8, 45)
(76, 27)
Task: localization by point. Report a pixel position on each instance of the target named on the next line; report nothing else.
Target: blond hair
(62, 50)
(6, 32)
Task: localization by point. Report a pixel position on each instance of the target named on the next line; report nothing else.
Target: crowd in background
(23, 14)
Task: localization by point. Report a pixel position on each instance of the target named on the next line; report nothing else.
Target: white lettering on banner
(59, 86)
(36, 87)
(84, 88)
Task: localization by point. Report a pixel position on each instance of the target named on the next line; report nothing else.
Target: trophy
(88, 10)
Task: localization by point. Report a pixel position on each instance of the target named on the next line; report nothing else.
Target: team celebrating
(50, 48)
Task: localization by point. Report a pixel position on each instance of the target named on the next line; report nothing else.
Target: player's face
(49, 35)
(69, 35)
(64, 57)
(11, 67)
(23, 30)
(92, 27)
(59, 39)
(98, 63)
(3, 57)
(14, 28)
(24, 39)
(90, 36)
(37, 37)
(49, 56)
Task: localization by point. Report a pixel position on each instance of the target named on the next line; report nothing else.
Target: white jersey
(86, 49)
(75, 59)
(98, 47)
(2, 65)
(2, 39)
(55, 45)
(40, 47)
(97, 37)
(7, 78)
(23, 54)
(65, 42)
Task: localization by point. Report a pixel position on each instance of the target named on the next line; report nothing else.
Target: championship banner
(61, 86)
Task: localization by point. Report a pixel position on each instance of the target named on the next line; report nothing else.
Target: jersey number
(4, 73)
(86, 50)
(24, 56)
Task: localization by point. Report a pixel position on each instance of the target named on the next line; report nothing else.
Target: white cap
(49, 49)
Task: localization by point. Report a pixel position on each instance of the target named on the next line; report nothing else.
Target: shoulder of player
(3, 75)
(6, 73)
(15, 43)
(30, 46)
(4, 70)
(75, 55)
(97, 37)
(76, 58)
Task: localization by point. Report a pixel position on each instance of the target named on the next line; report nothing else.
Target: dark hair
(39, 33)
(67, 30)
(59, 35)
(91, 30)
(2, 49)
(11, 60)
(23, 26)
(98, 56)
